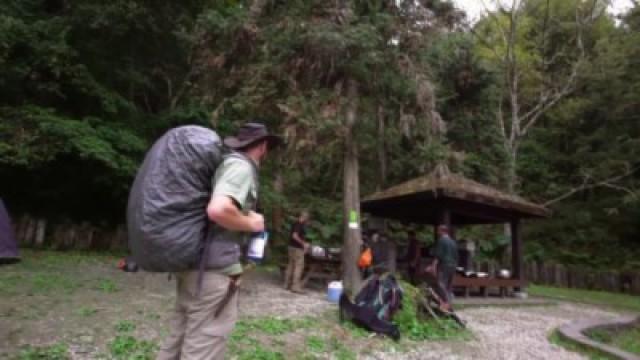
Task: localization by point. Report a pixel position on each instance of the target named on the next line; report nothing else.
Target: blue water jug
(334, 290)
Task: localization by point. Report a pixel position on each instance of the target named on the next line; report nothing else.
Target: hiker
(298, 246)
(365, 260)
(206, 307)
(445, 253)
(380, 251)
(413, 256)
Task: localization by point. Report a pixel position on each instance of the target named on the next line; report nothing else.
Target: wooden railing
(583, 278)
(34, 232)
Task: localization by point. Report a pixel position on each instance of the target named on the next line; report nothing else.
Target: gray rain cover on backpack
(166, 214)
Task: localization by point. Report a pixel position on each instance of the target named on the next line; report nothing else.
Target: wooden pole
(351, 197)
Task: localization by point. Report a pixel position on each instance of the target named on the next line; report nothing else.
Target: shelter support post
(516, 252)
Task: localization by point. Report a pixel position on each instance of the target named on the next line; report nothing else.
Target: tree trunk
(512, 171)
(382, 156)
(351, 196)
(277, 218)
(510, 182)
(41, 226)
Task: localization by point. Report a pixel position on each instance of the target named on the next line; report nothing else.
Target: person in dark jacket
(298, 246)
(413, 256)
(445, 253)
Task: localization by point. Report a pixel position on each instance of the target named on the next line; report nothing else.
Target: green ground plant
(107, 286)
(340, 351)
(627, 338)
(591, 354)
(125, 326)
(603, 298)
(86, 311)
(416, 327)
(355, 330)
(125, 346)
(45, 283)
(316, 344)
(58, 351)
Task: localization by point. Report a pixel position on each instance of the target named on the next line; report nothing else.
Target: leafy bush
(416, 328)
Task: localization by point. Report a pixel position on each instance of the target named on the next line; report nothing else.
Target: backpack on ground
(375, 304)
(166, 211)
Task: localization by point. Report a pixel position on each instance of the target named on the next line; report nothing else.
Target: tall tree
(517, 38)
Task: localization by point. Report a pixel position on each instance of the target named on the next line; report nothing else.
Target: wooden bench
(505, 285)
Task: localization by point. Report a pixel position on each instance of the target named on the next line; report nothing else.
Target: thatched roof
(442, 184)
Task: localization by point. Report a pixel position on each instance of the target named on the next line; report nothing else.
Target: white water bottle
(257, 244)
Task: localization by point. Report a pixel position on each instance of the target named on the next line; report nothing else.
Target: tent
(8, 245)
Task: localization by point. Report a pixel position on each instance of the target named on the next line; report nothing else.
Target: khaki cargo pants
(293, 274)
(195, 334)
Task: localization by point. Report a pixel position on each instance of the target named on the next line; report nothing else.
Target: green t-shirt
(237, 179)
(446, 251)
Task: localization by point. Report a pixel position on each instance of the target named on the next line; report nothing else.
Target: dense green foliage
(86, 86)
(416, 325)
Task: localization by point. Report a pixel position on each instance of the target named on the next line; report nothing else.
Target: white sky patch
(475, 8)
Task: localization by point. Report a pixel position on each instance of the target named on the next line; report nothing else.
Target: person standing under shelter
(298, 246)
(207, 303)
(413, 256)
(445, 253)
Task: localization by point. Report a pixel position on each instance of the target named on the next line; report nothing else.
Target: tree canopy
(86, 87)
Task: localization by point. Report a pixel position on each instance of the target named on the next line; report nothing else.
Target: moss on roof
(442, 181)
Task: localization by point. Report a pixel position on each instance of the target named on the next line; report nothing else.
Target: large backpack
(166, 212)
(382, 293)
(378, 300)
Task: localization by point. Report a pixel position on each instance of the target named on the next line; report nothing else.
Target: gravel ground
(262, 294)
(508, 334)
(499, 333)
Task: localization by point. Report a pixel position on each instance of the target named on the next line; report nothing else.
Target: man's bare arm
(223, 211)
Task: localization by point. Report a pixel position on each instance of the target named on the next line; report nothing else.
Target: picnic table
(326, 269)
(484, 283)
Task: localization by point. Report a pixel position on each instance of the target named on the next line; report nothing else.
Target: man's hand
(256, 221)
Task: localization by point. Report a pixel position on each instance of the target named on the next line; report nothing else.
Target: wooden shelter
(442, 197)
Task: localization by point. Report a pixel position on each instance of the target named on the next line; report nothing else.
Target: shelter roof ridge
(443, 182)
